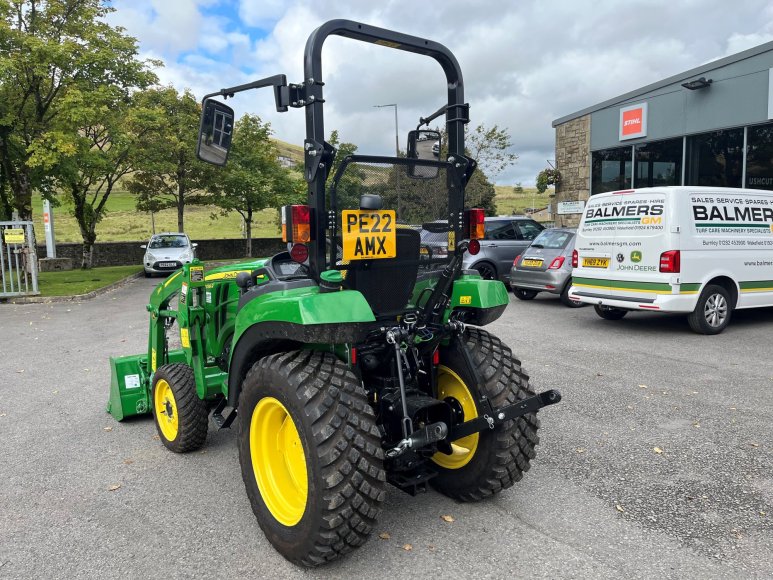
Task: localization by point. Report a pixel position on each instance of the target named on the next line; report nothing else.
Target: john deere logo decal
(636, 256)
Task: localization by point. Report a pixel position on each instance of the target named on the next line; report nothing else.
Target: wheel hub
(715, 310)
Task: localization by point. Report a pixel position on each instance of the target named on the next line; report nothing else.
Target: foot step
(221, 419)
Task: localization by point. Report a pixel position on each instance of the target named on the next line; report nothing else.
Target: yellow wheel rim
(278, 461)
(166, 410)
(451, 385)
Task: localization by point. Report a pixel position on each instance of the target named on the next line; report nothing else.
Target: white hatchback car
(167, 252)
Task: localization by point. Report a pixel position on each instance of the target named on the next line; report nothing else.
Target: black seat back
(387, 284)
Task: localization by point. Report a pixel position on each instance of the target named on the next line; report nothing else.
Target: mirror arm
(432, 117)
(462, 113)
(279, 82)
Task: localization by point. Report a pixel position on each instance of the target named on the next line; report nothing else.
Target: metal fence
(18, 260)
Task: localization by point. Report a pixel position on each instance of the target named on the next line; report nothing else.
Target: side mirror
(195, 245)
(144, 246)
(215, 130)
(423, 144)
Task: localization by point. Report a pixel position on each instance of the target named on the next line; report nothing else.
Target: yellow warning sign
(13, 235)
(185, 338)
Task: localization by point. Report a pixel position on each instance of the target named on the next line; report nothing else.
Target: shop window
(611, 170)
(759, 157)
(715, 159)
(659, 163)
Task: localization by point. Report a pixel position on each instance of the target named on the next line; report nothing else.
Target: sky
(525, 63)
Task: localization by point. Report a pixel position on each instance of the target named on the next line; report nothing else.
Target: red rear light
(557, 263)
(353, 356)
(474, 223)
(670, 262)
(575, 258)
(299, 253)
(517, 259)
(436, 357)
(296, 223)
(474, 247)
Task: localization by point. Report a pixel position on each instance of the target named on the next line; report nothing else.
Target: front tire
(712, 312)
(180, 416)
(485, 463)
(310, 455)
(522, 294)
(608, 313)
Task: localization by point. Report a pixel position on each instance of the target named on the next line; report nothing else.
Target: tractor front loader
(357, 357)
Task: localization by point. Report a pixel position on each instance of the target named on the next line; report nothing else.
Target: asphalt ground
(657, 463)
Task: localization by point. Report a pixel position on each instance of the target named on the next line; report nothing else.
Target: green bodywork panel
(209, 323)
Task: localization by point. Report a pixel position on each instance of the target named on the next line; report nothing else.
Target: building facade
(709, 126)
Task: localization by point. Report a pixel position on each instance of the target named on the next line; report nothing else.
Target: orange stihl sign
(633, 121)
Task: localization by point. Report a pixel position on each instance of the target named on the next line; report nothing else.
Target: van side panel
(729, 233)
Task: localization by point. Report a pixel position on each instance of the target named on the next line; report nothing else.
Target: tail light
(517, 259)
(436, 357)
(474, 247)
(296, 223)
(557, 263)
(670, 262)
(575, 259)
(474, 224)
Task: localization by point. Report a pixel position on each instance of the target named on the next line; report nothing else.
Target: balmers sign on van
(633, 121)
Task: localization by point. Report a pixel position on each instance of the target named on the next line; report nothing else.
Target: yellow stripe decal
(745, 290)
(224, 275)
(172, 277)
(621, 289)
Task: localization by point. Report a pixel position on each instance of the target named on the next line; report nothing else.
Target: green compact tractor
(355, 358)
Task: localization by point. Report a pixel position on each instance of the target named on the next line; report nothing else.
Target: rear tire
(522, 294)
(334, 484)
(180, 416)
(502, 455)
(608, 313)
(565, 297)
(712, 312)
(487, 271)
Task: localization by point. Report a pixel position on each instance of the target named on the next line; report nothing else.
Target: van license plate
(531, 263)
(369, 235)
(595, 262)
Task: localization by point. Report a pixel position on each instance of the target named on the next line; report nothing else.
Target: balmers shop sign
(633, 121)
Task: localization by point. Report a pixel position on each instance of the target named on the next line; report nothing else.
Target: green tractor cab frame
(352, 360)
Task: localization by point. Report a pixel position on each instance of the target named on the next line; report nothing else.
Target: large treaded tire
(191, 411)
(503, 454)
(342, 448)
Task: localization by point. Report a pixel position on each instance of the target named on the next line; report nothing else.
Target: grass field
(123, 223)
(73, 282)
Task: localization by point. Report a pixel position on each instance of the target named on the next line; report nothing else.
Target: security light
(700, 83)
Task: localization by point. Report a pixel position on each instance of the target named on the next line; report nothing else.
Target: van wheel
(522, 294)
(712, 313)
(565, 297)
(608, 313)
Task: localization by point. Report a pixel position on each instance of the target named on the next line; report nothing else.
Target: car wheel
(522, 294)
(565, 296)
(712, 313)
(487, 271)
(148, 274)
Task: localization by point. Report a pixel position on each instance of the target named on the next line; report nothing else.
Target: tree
(169, 174)
(53, 54)
(253, 179)
(109, 133)
(491, 149)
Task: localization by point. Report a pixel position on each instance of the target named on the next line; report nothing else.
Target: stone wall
(130, 253)
(573, 162)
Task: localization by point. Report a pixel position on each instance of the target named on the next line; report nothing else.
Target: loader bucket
(129, 387)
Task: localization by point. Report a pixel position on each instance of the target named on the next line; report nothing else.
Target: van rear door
(620, 242)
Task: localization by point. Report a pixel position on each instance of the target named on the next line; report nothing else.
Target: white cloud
(524, 63)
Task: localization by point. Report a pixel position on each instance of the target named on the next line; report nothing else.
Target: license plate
(167, 264)
(368, 235)
(531, 263)
(595, 262)
(424, 251)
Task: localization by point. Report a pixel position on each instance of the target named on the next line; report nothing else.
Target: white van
(701, 250)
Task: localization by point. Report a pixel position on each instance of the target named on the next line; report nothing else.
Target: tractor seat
(387, 284)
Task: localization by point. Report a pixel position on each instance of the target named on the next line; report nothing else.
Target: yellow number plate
(595, 262)
(369, 235)
(531, 263)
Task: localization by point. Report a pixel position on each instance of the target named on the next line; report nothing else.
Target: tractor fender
(293, 319)
(483, 301)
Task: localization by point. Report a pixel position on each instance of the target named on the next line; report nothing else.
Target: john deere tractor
(356, 358)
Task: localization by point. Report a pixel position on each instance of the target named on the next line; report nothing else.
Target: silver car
(545, 266)
(167, 252)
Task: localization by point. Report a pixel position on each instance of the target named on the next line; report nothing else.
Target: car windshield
(552, 239)
(168, 242)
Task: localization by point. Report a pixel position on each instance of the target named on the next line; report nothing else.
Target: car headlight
(149, 257)
(186, 256)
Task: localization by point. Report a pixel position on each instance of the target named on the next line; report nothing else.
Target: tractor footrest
(412, 482)
(220, 419)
